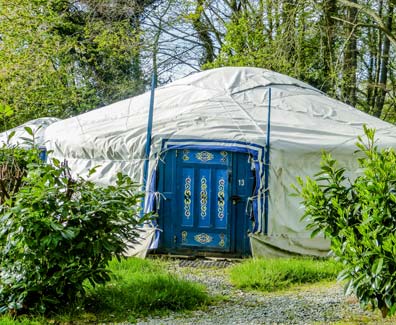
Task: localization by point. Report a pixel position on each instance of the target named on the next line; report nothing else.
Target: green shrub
(280, 273)
(360, 219)
(14, 163)
(60, 232)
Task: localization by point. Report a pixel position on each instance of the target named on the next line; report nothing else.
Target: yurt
(19, 136)
(226, 145)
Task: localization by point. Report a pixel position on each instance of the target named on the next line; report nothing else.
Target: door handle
(235, 199)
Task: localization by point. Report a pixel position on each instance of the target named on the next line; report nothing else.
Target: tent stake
(148, 136)
(267, 164)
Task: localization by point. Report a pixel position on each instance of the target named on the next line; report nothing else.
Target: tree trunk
(350, 58)
(329, 8)
(383, 77)
(203, 33)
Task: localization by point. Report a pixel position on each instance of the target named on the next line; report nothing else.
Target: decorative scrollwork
(187, 197)
(185, 155)
(204, 197)
(222, 240)
(203, 238)
(220, 199)
(224, 155)
(204, 156)
(184, 236)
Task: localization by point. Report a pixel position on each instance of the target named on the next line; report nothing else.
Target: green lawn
(142, 288)
(137, 289)
(280, 273)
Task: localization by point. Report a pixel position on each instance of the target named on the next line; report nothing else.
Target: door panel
(188, 197)
(222, 189)
(200, 213)
(205, 184)
(202, 220)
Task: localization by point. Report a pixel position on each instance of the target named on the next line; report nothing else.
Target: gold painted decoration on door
(220, 199)
(224, 155)
(187, 197)
(185, 155)
(184, 236)
(204, 156)
(203, 238)
(204, 197)
(222, 241)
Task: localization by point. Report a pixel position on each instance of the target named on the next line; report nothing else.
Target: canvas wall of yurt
(217, 136)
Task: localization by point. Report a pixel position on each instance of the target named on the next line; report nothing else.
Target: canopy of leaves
(60, 58)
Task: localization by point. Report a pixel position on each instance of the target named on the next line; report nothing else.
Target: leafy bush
(59, 232)
(14, 162)
(360, 219)
(276, 274)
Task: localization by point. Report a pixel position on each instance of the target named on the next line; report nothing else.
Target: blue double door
(206, 194)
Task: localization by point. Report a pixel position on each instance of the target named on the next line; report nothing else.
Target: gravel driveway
(313, 304)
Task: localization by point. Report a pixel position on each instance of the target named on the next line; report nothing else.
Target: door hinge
(174, 239)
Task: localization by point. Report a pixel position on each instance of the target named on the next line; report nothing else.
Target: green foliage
(294, 47)
(359, 218)
(58, 232)
(5, 114)
(141, 288)
(60, 58)
(276, 274)
(14, 162)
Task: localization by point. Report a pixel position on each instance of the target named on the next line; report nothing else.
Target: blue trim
(211, 140)
(267, 162)
(149, 133)
(43, 153)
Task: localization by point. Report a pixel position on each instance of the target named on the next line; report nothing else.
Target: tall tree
(61, 57)
(349, 69)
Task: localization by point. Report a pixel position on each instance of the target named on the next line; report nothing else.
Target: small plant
(59, 232)
(281, 273)
(359, 217)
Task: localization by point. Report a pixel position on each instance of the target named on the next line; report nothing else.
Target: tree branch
(374, 16)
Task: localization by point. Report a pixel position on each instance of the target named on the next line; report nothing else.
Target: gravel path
(315, 304)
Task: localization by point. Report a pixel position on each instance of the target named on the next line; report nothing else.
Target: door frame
(253, 150)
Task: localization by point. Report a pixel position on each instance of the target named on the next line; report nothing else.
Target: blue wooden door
(203, 192)
(206, 197)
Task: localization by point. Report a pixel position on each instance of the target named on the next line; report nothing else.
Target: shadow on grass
(146, 295)
(143, 288)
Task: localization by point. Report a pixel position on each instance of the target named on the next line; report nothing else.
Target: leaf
(29, 130)
(377, 266)
(10, 136)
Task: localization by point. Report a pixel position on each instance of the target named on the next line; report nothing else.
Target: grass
(277, 274)
(139, 288)
(8, 320)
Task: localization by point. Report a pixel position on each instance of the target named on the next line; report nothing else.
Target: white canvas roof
(230, 105)
(38, 127)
